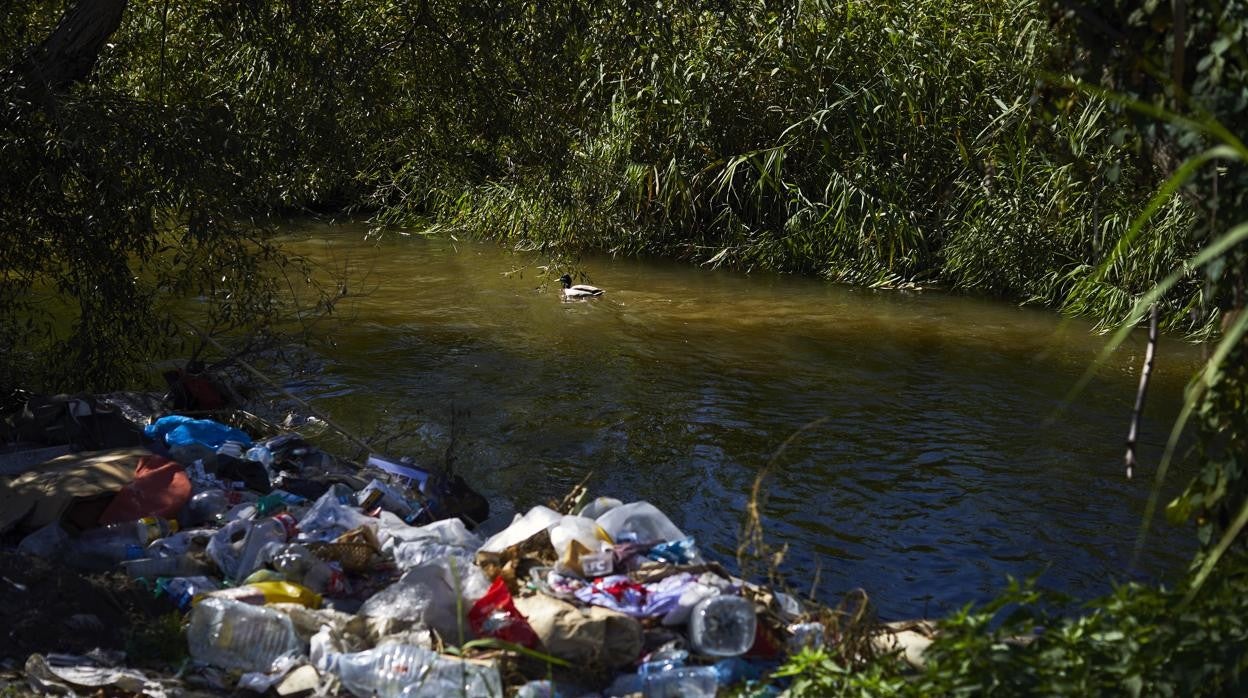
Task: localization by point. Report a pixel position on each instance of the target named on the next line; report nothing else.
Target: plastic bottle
(232, 635)
(270, 504)
(298, 564)
(391, 671)
(682, 682)
(662, 661)
(722, 626)
(260, 454)
(152, 567)
(278, 529)
(108, 545)
(543, 688)
(208, 506)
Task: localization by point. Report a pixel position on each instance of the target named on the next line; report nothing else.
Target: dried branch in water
(1145, 373)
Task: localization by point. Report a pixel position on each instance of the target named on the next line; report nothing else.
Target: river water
(936, 459)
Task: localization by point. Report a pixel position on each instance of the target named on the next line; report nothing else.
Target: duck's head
(566, 280)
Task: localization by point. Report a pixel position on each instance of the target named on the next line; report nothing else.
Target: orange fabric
(160, 488)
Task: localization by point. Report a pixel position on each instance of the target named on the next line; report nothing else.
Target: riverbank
(111, 632)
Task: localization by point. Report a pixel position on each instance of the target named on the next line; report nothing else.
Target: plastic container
(597, 564)
(722, 626)
(391, 671)
(278, 529)
(574, 538)
(232, 635)
(640, 522)
(683, 682)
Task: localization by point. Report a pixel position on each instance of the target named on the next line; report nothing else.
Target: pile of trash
(298, 572)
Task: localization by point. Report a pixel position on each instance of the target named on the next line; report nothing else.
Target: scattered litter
(297, 573)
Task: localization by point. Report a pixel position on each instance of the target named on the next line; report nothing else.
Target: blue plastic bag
(176, 430)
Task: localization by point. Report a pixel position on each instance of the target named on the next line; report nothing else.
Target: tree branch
(1147, 371)
(70, 52)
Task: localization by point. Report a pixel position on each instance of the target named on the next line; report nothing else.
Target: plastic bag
(422, 595)
(329, 518)
(496, 615)
(226, 547)
(640, 522)
(523, 528)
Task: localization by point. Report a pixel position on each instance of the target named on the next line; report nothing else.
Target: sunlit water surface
(944, 462)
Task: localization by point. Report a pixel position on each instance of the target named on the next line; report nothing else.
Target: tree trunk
(69, 53)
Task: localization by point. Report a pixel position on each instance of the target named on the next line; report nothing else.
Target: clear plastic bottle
(298, 564)
(682, 682)
(208, 506)
(153, 567)
(278, 529)
(107, 545)
(232, 635)
(392, 671)
(722, 626)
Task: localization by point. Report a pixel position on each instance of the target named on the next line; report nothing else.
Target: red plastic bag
(496, 615)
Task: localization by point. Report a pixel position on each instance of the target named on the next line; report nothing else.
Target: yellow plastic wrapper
(261, 593)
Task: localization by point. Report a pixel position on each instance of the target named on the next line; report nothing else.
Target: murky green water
(934, 475)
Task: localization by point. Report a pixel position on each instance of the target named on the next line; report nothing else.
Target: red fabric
(496, 615)
(160, 488)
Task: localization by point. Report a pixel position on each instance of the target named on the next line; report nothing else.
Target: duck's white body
(579, 291)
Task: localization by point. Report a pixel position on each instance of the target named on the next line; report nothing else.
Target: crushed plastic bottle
(722, 626)
(233, 635)
(391, 671)
(278, 529)
(298, 564)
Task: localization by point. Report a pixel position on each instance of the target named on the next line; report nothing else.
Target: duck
(579, 291)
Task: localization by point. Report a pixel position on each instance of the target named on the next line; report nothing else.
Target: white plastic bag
(523, 528)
